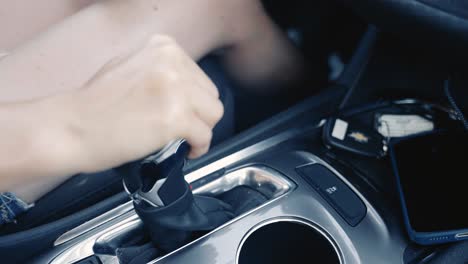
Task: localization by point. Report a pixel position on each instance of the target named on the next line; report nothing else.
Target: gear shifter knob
(165, 203)
(161, 177)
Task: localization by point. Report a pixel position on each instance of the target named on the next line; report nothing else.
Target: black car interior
(278, 187)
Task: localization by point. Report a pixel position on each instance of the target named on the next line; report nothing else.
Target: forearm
(267, 59)
(37, 148)
(71, 52)
(124, 113)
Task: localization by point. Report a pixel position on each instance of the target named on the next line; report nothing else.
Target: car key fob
(354, 137)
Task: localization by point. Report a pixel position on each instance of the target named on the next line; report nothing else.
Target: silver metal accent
(289, 220)
(268, 181)
(104, 242)
(373, 228)
(278, 182)
(260, 178)
(367, 242)
(167, 151)
(461, 235)
(191, 177)
(84, 248)
(354, 243)
(242, 154)
(374, 237)
(93, 223)
(152, 196)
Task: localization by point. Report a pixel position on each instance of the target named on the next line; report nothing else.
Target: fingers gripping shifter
(165, 203)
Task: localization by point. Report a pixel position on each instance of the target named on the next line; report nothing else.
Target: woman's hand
(137, 104)
(132, 107)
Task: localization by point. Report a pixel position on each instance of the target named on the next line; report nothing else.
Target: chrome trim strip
(279, 183)
(290, 187)
(191, 177)
(84, 248)
(93, 223)
(461, 235)
(261, 178)
(313, 159)
(167, 151)
(127, 213)
(240, 155)
(290, 220)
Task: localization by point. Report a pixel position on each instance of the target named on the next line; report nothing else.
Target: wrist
(57, 135)
(36, 142)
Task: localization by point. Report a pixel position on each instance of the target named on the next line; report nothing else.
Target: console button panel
(335, 192)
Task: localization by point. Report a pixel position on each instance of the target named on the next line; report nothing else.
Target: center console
(311, 209)
(272, 194)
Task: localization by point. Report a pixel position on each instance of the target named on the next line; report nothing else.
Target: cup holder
(287, 241)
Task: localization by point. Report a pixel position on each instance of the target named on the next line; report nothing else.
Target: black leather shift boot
(173, 225)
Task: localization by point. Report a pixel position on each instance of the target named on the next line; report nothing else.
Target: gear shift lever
(164, 201)
(159, 180)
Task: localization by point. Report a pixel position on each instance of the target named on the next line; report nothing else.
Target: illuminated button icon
(331, 190)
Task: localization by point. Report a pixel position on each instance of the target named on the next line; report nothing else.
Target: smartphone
(432, 178)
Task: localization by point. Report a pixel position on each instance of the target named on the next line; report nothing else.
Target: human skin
(44, 139)
(68, 44)
(68, 53)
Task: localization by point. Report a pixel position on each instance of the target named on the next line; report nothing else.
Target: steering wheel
(442, 24)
